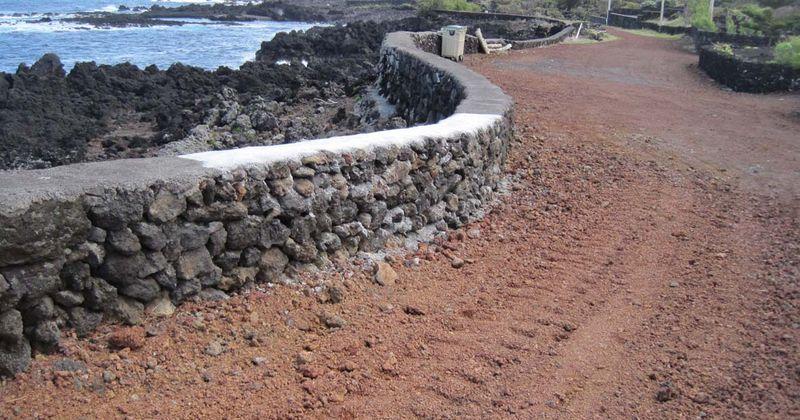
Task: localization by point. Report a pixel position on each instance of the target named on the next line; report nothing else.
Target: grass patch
(652, 34)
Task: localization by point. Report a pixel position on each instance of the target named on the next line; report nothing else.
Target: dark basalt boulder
(48, 66)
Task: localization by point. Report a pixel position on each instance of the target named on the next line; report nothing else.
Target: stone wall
(624, 21)
(702, 38)
(542, 42)
(648, 14)
(559, 23)
(432, 41)
(121, 240)
(672, 30)
(747, 76)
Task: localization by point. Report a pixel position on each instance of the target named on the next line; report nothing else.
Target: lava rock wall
(624, 21)
(702, 38)
(118, 241)
(543, 42)
(672, 30)
(747, 76)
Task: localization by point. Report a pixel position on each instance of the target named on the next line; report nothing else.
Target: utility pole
(608, 11)
(661, 18)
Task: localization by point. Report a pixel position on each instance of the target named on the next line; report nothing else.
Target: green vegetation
(625, 4)
(723, 48)
(752, 19)
(700, 17)
(458, 5)
(788, 52)
(749, 19)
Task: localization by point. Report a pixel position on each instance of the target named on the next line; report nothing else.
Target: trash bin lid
(454, 27)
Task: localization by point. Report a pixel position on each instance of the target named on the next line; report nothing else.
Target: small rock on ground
(131, 338)
(385, 274)
(214, 348)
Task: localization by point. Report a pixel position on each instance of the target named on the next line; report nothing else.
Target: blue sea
(200, 42)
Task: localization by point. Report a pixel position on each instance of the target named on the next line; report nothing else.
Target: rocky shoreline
(336, 11)
(302, 85)
(52, 118)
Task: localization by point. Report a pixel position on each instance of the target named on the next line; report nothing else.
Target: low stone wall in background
(702, 38)
(672, 30)
(120, 240)
(649, 14)
(542, 42)
(502, 16)
(432, 41)
(746, 76)
(624, 21)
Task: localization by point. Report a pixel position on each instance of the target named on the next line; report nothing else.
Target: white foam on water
(454, 125)
(9, 26)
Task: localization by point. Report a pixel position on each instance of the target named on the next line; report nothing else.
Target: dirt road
(645, 265)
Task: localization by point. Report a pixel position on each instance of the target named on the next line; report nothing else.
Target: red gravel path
(646, 264)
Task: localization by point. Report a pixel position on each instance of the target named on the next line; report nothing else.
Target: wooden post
(711, 9)
(481, 41)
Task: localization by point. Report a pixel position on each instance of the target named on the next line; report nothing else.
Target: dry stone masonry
(114, 241)
(743, 75)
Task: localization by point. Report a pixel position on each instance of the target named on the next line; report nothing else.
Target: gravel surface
(640, 268)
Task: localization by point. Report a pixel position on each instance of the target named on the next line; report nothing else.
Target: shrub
(458, 5)
(759, 18)
(624, 4)
(739, 22)
(507, 6)
(787, 24)
(651, 4)
(788, 52)
(751, 19)
(701, 19)
(723, 48)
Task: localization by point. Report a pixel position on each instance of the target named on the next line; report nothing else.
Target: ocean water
(203, 43)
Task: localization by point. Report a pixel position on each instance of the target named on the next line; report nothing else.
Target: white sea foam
(10, 24)
(454, 125)
(56, 26)
(46, 27)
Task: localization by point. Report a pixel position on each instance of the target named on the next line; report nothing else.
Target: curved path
(644, 265)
